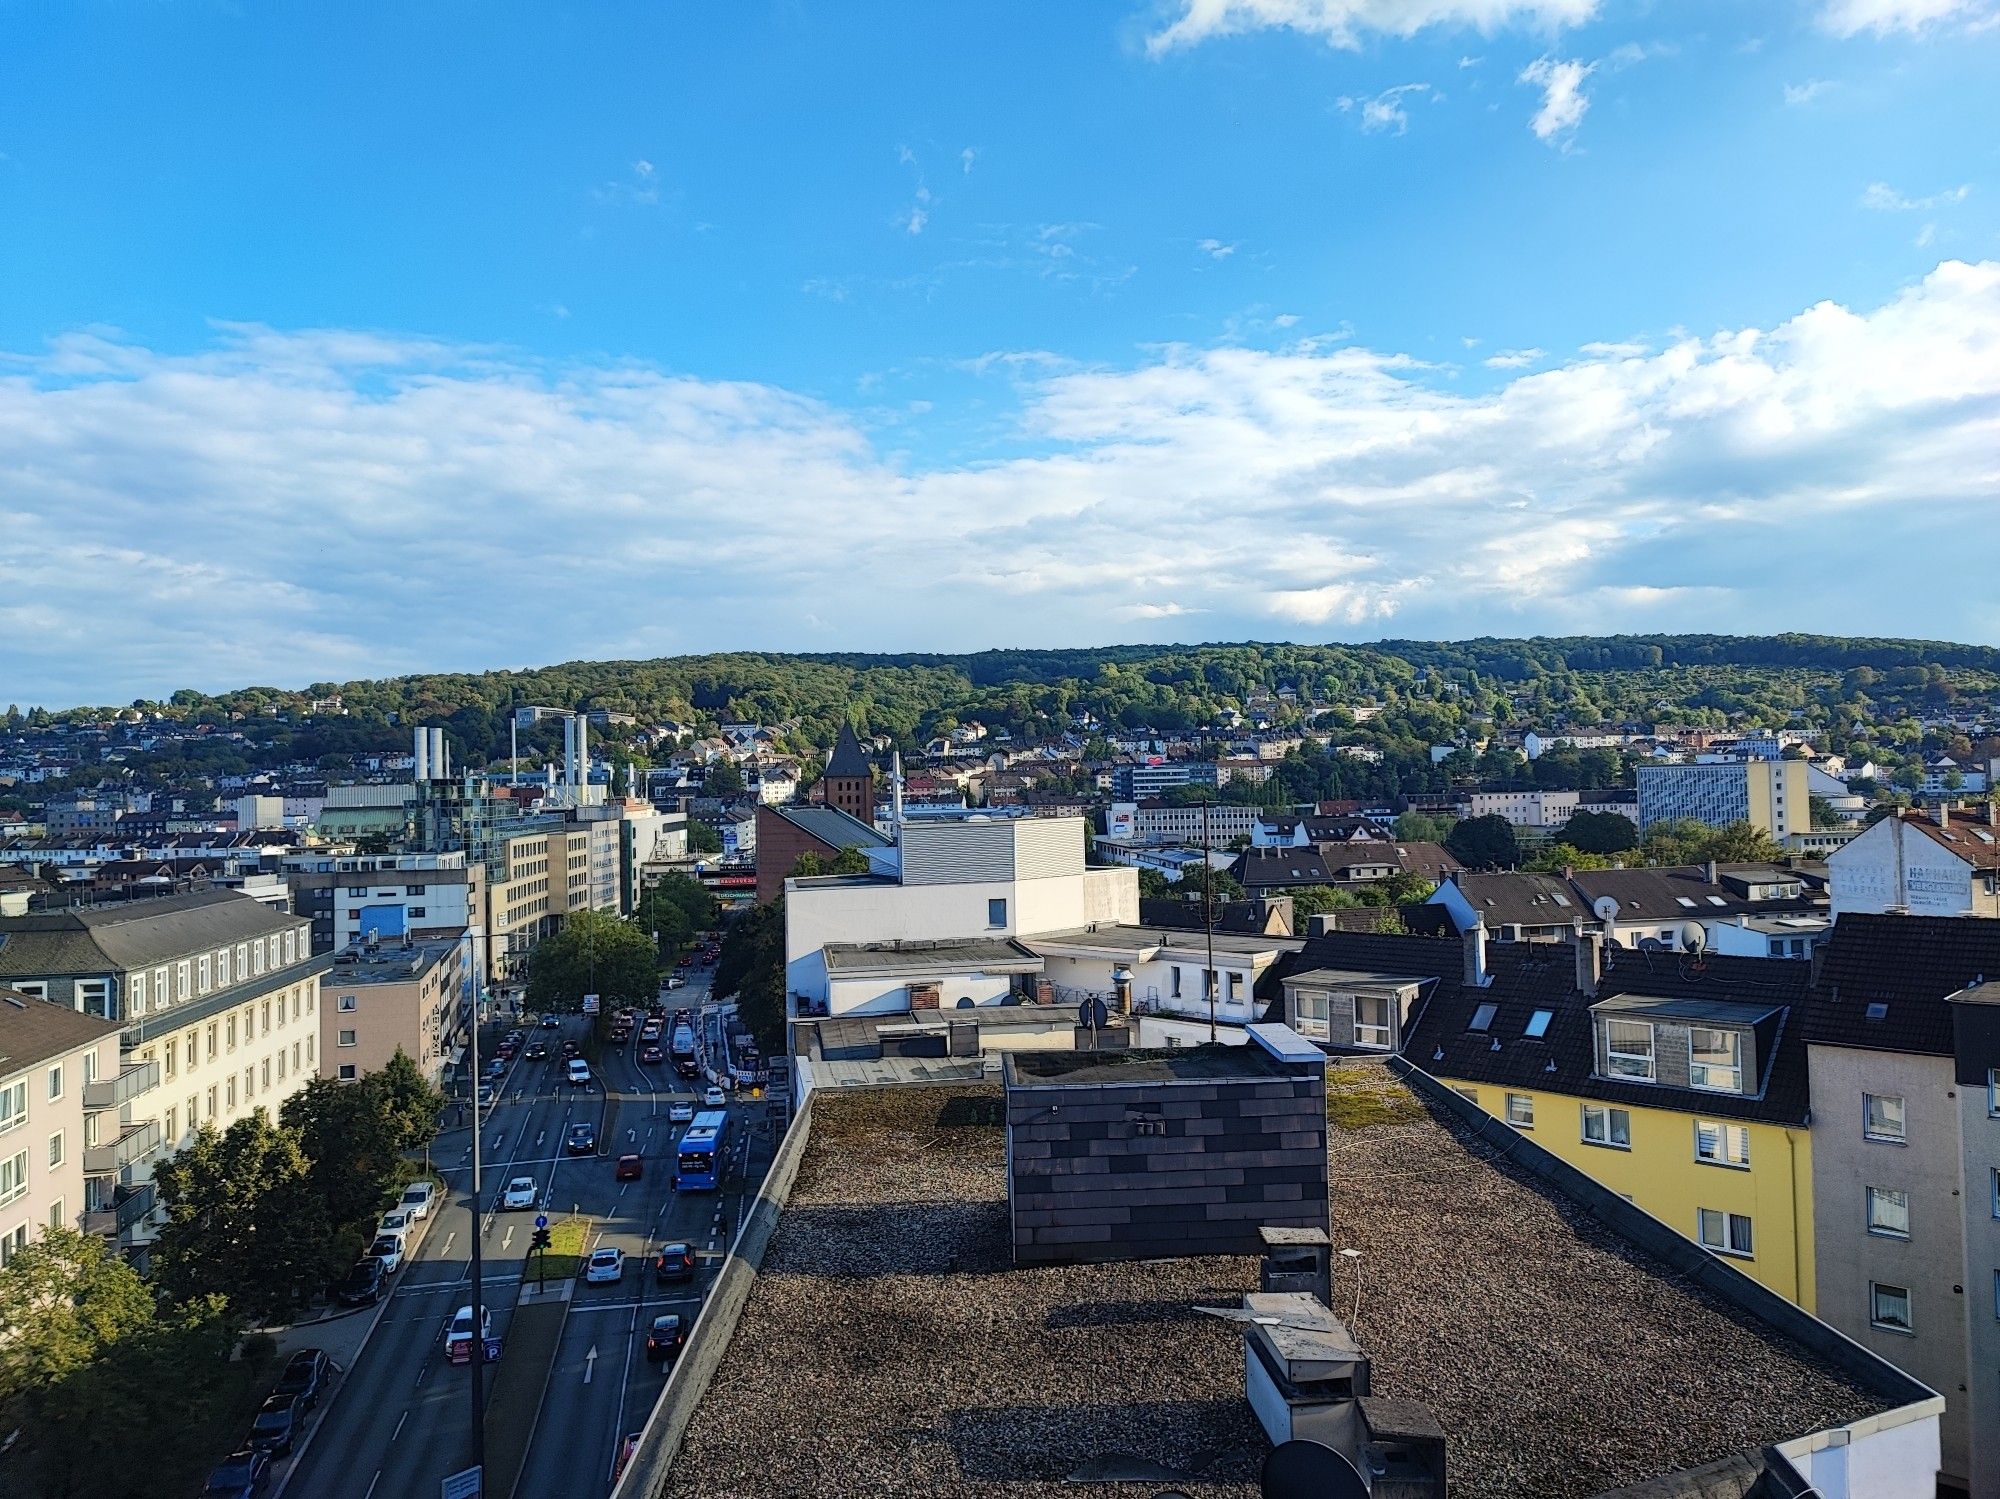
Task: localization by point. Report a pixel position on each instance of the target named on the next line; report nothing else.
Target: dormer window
(1715, 1059)
(1628, 1049)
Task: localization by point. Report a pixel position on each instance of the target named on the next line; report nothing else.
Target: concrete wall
(1979, 1129)
(1162, 1169)
(891, 996)
(1928, 1263)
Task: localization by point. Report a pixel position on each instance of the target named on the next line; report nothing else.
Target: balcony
(127, 1208)
(133, 1080)
(135, 1142)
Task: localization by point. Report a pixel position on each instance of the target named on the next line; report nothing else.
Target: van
(579, 1072)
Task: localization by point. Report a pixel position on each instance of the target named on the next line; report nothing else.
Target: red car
(651, 1052)
(630, 1168)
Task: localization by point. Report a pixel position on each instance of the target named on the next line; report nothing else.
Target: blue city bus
(699, 1163)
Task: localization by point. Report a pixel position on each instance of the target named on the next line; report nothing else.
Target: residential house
(58, 1078)
(1935, 863)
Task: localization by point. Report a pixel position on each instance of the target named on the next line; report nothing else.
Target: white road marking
(590, 1363)
(399, 1426)
(509, 1237)
(447, 1243)
(371, 1484)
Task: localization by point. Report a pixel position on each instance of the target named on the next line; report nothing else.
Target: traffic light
(541, 1239)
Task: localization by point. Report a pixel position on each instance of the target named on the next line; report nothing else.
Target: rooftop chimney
(1943, 815)
(1589, 961)
(421, 749)
(1711, 872)
(1476, 976)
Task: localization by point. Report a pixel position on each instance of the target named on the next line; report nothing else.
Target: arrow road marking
(509, 1237)
(590, 1363)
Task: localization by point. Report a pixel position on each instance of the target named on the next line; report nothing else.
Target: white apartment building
(1771, 795)
(1524, 809)
(217, 999)
(942, 918)
(1933, 863)
(1184, 826)
(53, 1063)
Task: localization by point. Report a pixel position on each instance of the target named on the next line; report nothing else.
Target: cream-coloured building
(216, 996)
(1773, 796)
(378, 998)
(53, 1064)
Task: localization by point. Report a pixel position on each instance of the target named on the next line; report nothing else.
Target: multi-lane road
(401, 1419)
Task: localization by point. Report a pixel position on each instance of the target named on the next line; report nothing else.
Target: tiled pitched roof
(1973, 839)
(132, 934)
(847, 761)
(1522, 899)
(34, 1030)
(1907, 965)
(1527, 977)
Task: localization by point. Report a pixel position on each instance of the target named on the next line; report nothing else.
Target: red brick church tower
(849, 782)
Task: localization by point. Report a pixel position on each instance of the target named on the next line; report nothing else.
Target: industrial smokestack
(422, 750)
(582, 749)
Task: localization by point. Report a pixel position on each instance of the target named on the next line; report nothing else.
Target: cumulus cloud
(289, 507)
(1563, 99)
(1880, 17)
(1215, 249)
(1885, 199)
(1344, 23)
(1385, 111)
(1804, 93)
(1513, 359)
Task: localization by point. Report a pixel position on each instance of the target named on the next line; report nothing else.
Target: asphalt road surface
(401, 1420)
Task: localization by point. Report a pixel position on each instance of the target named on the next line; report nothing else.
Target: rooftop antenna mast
(1208, 913)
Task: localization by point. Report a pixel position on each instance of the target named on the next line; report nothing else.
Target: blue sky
(403, 337)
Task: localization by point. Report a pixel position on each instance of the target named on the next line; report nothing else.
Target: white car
(605, 1266)
(520, 1193)
(395, 1221)
(417, 1199)
(714, 1098)
(579, 1072)
(680, 1111)
(388, 1248)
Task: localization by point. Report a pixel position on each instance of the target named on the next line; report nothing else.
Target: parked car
(396, 1221)
(497, 1068)
(714, 1098)
(664, 1338)
(307, 1373)
(388, 1249)
(535, 1051)
(458, 1338)
(676, 982)
(277, 1425)
(417, 1198)
(629, 1169)
(626, 1448)
(241, 1475)
(363, 1286)
(605, 1266)
(485, 1096)
(651, 1052)
(674, 1264)
(680, 1111)
(581, 1140)
(520, 1193)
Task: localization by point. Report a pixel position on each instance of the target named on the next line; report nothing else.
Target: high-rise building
(1771, 795)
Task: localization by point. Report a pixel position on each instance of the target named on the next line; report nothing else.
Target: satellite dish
(1651, 944)
(965, 1002)
(1605, 908)
(1693, 935)
(1092, 1013)
(1300, 1469)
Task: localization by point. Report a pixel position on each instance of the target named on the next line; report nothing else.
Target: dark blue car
(239, 1475)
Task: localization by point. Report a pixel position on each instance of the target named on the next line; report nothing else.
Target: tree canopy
(593, 952)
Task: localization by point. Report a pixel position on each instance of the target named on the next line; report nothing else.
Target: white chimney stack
(422, 750)
(1476, 976)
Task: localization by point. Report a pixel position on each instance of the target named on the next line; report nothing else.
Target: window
(1235, 985)
(243, 959)
(190, 1052)
(204, 975)
(249, 1084)
(229, 1091)
(212, 1094)
(1174, 980)
(1889, 1307)
(1602, 1126)
(135, 993)
(214, 1040)
(1371, 1020)
(265, 1018)
(1721, 1144)
(173, 1134)
(996, 913)
(55, 1082)
(13, 1105)
(183, 977)
(348, 1004)
(415, 889)
(56, 1214)
(13, 1176)
(229, 1027)
(172, 1055)
(1724, 1233)
(1470, 1095)
(1628, 1049)
(1993, 1092)
(1882, 1117)
(349, 1073)
(1309, 1016)
(222, 968)
(55, 1150)
(36, 988)
(93, 997)
(347, 1038)
(310, 1048)
(1716, 1059)
(1889, 1212)
(1521, 1110)
(12, 1244)
(264, 1074)
(1996, 1192)
(1482, 1018)
(1538, 1024)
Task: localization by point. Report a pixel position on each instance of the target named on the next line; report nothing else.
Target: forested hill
(1428, 690)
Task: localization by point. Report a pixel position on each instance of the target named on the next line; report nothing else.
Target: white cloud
(158, 501)
(1620, 349)
(1513, 359)
(641, 185)
(919, 216)
(1851, 17)
(1343, 23)
(1215, 249)
(1804, 93)
(965, 159)
(1563, 99)
(1384, 111)
(1885, 199)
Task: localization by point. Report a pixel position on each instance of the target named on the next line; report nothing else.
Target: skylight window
(1559, 898)
(1716, 900)
(1482, 1018)
(1538, 1024)
(1878, 1011)
(1682, 900)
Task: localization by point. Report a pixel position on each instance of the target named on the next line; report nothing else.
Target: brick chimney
(1476, 976)
(1589, 961)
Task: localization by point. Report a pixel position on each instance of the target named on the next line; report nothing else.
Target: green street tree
(354, 1136)
(65, 1300)
(1601, 832)
(1417, 827)
(407, 1100)
(1485, 843)
(703, 839)
(723, 779)
(593, 953)
(244, 1220)
(1557, 857)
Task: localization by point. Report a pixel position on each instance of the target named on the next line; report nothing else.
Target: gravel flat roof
(889, 1347)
